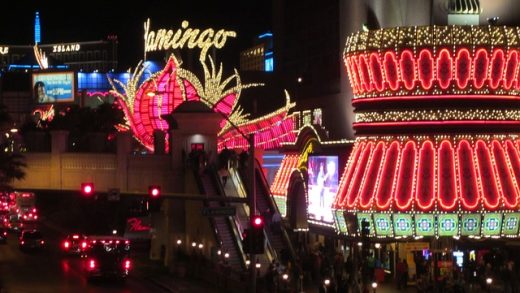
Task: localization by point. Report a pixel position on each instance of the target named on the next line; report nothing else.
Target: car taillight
(83, 244)
(127, 264)
(66, 244)
(92, 264)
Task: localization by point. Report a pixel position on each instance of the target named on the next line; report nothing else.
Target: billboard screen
(323, 186)
(53, 87)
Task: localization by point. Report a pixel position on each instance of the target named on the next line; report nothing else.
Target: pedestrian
(276, 220)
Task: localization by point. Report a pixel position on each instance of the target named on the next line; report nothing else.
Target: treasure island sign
(185, 36)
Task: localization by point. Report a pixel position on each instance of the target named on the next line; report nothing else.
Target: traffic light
(87, 188)
(154, 191)
(154, 198)
(257, 235)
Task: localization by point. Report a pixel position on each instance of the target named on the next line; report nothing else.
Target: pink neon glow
(447, 191)
(371, 177)
(347, 175)
(462, 68)
(469, 194)
(490, 194)
(391, 71)
(407, 63)
(511, 68)
(404, 191)
(388, 176)
(444, 64)
(375, 69)
(508, 191)
(426, 175)
(497, 68)
(480, 66)
(353, 191)
(425, 63)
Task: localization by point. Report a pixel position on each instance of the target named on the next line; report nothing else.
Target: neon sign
(66, 48)
(163, 39)
(4, 50)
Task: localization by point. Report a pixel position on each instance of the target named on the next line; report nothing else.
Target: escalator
(277, 241)
(226, 231)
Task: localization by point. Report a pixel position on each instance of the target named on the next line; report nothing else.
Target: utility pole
(252, 212)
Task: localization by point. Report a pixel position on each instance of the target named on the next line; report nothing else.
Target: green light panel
(491, 224)
(340, 221)
(510, 224)
(424, 225)
(448, 224)
(368, 217)
(402, 224)
(383, 224)
(471, 224)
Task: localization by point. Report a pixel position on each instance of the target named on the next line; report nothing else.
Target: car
(108, 257)
(75, 244)
(31, 239)
(3, 235)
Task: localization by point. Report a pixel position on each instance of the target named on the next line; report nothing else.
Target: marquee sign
(162, 39)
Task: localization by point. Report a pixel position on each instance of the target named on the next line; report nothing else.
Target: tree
(11, 164)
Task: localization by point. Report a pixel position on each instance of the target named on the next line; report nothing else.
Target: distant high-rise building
(37, 29)
(259, 57)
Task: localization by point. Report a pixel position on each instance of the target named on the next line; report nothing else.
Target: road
(50, 271)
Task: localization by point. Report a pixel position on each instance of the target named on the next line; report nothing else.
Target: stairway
(222, 225)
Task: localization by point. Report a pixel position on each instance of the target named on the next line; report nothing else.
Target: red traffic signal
(87, 188)
(154, 191)
(258, 222)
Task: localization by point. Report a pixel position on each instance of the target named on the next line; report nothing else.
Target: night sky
(95, 19)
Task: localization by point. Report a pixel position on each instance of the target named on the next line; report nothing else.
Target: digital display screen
(471, 224)
(424, 225)
(383, 224)
(340, 222)
(323, 186)
(53, 87)
(492, 224)
(448, 224)
(402, 225)
(510, 224)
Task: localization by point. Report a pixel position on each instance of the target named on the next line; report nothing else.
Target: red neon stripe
(444, 71)
(407, 63)
(404, 192)
(497, 68)
(469, 194)
(387, 177)
(462, 68)
(370, 180)
(355, 74)
(353, 191)
(447, 191)
(347, 174)
(375, 69)
(508, 192)
(514, 159)
(480, 68)
(512, 63)
(425, 63)
(487, 176)
(391, 70)
(352, 78)
(425, 195)
(365, 75)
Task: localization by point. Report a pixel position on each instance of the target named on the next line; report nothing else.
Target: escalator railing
(224, 227)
